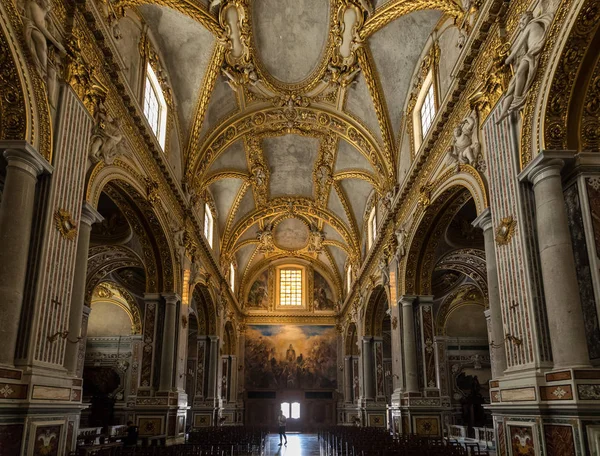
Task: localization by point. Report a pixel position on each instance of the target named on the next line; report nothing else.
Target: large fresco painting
(291, 357)
(258, 296)
(322, 295)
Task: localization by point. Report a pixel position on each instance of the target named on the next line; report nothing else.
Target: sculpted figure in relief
(466, 147)
(37, 34)
(524, 56)
(401, 235)
(106, 138)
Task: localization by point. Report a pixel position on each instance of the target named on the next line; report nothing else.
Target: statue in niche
(37, 35)
(465, 146)
(194, 271)
(524, 56)
(106, 138)
(179, 238)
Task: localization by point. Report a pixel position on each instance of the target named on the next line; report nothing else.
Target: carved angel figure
(524, 56)
(106, 138)
(466, 147)
(37, 33)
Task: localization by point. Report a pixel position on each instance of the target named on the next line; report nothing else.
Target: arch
(229, 340)
(190, 9)
(375, 311)
(569, 115)
(203, 306)
(351, 340)
(113, 293)
(464, 294)
(24, 114)
(470, 262)
(103, 260)
(467, 177)
(313, 120)
(294, 206)
(417, 266)
(123, 185)
(390, 11)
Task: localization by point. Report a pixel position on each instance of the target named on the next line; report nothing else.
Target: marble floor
(298, 445)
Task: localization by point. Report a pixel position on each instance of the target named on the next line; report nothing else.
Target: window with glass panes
(152, 107)
(208, 224)
(290, 287)
(427, 111)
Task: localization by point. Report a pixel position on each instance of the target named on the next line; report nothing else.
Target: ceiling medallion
(505, 230)
(65, 224)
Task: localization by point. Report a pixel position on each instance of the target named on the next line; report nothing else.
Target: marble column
(497, 345)
(348, 378)
(213, 367)
(88, 217)
(561, 290)
(24, 166)
(168, 343)
(369, 368)
(409, 342)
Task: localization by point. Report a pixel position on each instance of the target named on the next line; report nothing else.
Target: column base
(559, 408)
(162, 414)
(36, 404)
(203, 413)
(423, 413)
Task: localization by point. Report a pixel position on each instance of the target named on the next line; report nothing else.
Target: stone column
(348, 380)
(168, 343)
(233, 371)
(410, 349)
(561, 290)
(213, 367)
(369, 368)
(427, 337)
(497, 345)
(88, 217)
(25, 164)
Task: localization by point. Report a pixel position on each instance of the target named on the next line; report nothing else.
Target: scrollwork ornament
(65, 224)
(505, 230)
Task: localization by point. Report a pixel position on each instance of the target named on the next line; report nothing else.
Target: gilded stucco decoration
(562, 127)
(65, 224)
(505, 230)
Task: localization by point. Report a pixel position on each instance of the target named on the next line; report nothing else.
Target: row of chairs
(354, 441)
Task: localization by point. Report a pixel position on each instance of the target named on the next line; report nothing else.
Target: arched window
(208, 225)
(349, 278)
(232, 276)
(155, 106)
(372, 228)
(427, 111)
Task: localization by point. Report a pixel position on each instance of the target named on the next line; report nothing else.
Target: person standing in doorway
(281, 421)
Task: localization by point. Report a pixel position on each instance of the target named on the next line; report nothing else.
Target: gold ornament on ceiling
(505, 230)
(65, 224)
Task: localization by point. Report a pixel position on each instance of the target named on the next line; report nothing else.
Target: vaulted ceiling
(289, 114)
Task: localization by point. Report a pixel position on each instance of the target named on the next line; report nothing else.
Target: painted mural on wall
(258, 297)
(291, 357)
(322, 294)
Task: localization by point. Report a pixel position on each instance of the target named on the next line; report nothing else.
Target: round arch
(123, 185)
(417, 266)
(375, 311)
